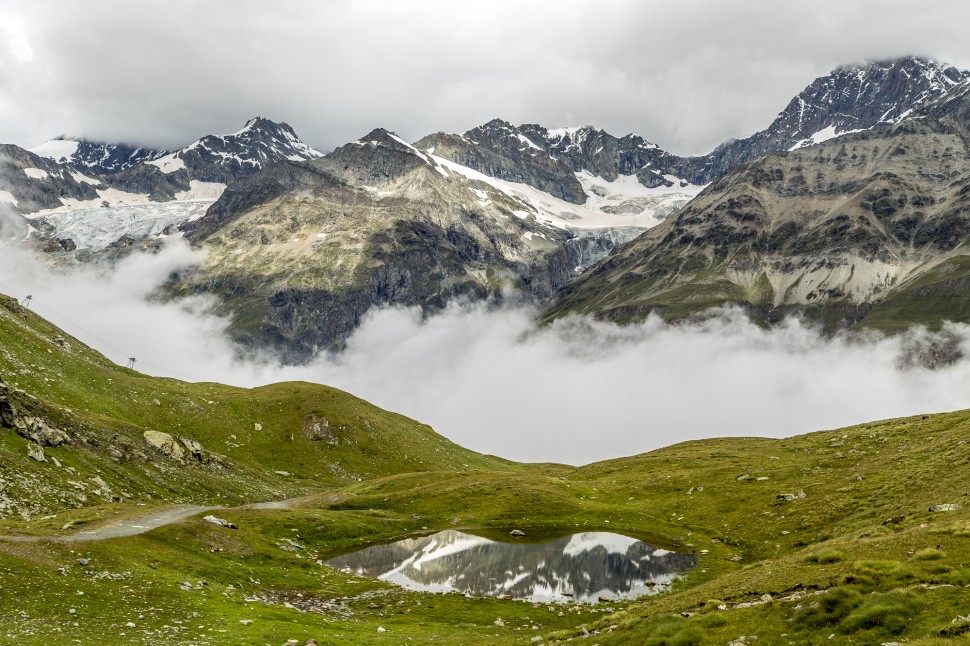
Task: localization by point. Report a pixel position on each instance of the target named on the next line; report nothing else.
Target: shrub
(825, 557)
(829, 608)
(889, 611)
(960, 577)
(674, 631)
(928, 554)
(884, 574)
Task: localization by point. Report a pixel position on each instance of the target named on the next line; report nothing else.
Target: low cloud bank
(574, 392)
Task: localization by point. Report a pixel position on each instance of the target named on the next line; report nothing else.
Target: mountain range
(300, 245)
(868, 229)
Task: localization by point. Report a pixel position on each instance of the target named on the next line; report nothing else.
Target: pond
(588, 567)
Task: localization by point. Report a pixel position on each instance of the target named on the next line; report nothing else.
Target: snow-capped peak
(94, 157)
(60, 148)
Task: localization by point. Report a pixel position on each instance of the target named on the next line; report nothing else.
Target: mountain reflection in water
(584, 567)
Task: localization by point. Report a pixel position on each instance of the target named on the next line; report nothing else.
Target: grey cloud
(684, 74)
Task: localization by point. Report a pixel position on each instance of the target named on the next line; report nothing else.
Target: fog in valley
(484, 376)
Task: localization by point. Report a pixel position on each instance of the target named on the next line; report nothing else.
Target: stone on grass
(36, 452)
(166, 444)
(215, 520)
(516, 532)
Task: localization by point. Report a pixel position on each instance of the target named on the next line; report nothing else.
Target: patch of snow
(83, 179)
(481, 195)
(824, 134)
(202, 191)
(169, 163)
(36, 173)
(658, 202)
(560, 133)
(6, 197)
(56, 149)
(527, 141)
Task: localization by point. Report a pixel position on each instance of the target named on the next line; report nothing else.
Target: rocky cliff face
(501, 150)
(849, 99)
(300, 252)
(870, 228)
(223, 158)
(30, 183)
(603, 155)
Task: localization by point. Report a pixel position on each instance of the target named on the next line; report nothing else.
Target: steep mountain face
(95, 158)
(603, 155)
(501, 150)
(870, 228)
(301, 251)
(154, 175)
(29, 183)
(849, 99)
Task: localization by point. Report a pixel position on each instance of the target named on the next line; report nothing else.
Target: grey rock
(517, 533)
(222, 522)
(36, 452)
(944, 507)
(194, 448)
(166, 444)
(37, 430)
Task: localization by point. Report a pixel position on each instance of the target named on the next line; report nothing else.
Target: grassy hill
(854, 552)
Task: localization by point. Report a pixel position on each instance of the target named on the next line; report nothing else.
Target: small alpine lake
(586, 567)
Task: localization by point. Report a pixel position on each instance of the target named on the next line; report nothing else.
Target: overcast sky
(686, 74)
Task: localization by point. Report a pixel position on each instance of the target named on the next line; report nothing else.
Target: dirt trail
(141, 524)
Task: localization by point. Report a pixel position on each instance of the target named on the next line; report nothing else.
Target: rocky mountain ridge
(848, 99)
(95, 158)
(65, 173)
(300, 252)
(868, 229)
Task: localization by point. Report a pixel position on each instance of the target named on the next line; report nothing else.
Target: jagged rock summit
(870, 228)
(222, 158)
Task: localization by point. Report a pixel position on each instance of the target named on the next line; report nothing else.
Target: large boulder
(166, 444)
(36, 452)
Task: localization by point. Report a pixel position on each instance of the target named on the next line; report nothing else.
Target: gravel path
(141, 524)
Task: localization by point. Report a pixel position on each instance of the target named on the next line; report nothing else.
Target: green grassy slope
(859, 557)
(262, 443)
